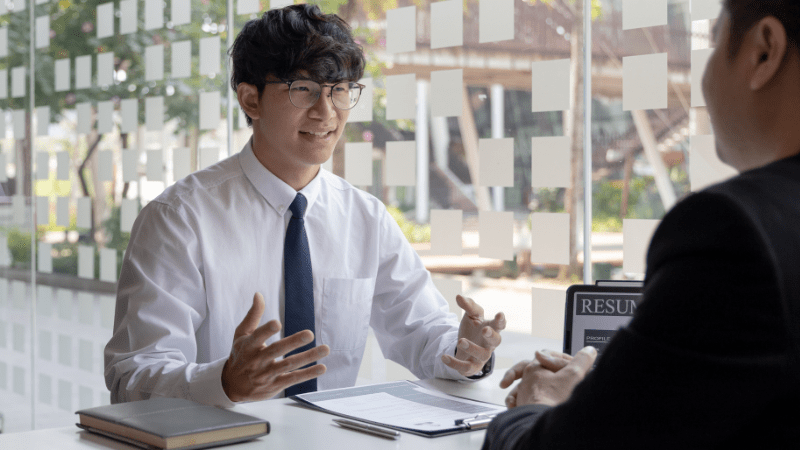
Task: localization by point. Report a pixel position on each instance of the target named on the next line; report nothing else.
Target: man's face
(298, 138)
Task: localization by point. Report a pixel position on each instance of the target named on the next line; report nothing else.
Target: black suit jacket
(710, 359)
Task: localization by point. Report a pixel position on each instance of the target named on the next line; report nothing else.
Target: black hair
(746, 13)
(286, 41)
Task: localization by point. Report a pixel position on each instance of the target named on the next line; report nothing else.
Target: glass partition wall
(472, 131)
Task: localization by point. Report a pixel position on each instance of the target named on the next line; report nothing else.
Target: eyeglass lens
(304, 94)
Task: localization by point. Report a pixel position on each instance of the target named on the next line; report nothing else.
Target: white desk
(292, 427)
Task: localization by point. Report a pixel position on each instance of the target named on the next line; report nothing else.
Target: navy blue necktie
(299, 292)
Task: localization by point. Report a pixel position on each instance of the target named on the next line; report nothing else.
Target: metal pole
(229, 44)
(587, 142)
(31, 136)
(498, 132)
(422, 191)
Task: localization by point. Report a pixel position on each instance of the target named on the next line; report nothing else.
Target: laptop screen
(595, 313)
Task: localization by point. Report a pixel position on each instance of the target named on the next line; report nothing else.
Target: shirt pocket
(346, 309)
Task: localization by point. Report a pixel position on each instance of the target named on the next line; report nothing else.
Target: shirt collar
(275, 191)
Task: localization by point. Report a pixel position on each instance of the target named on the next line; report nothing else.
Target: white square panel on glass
(3, 92)
(181, 164)
(153, 14)
(705, 167)
(43, 32)
(105, 20)
(18, 205)
(18, 82)
(86, 261)
(550, 238)
(636, 235)
(181, 59)
(42, 210)
(62, 212)
(401, 30)
(42, 165)
(496, 162)
(105, 165)
(447, 24)
(84, 215)
(209, 110)
(643, 13)
(62, 69)
(450, 288)
(247, 6)
(550, 161)
(128, 214)
(62, 165)
(644, 82)
(401, 96)
(496, 235)
(495, 20)
(42, 120)
(18, 119)
(155, 165)
(84, 112)
(181, 12)
(401, 163)
(129, 110)
(83, 72)
(105, 69)
(45, 260)
(446, 230)
(447, 93)
(105, 117)
(130, 165)
(3, 42)
(154, 113)
(210, 55)
(699, 62)
(108, 265)
(550, 85)
(274, 4)
(154, 62)
(208, 157)
(128, 16)
(362, 112)
(358, 163)
(547, 313)
(705, 9)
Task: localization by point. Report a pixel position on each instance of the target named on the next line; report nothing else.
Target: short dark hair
(745, 13)
(285, 41)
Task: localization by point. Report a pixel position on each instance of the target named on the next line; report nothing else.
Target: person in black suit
(712, 357)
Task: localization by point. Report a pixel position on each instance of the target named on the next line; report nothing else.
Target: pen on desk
(367, 428)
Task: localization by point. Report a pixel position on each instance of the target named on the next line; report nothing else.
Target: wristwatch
(487, 369)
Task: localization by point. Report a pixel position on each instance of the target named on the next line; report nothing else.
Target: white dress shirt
(201, 250)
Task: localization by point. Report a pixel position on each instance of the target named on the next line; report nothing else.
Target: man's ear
(248, 99)
(766, 51)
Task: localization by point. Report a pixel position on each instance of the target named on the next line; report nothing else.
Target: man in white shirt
(213, 241)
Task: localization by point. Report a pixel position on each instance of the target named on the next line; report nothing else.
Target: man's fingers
(463, 367)
(513, 374)
(299, 360)
(287, 344)
(511, 399)
(551, 363)
(491, 337)
(499, 322)
(298, 376)
(474, 350)
(252, 318)
(469, 306)
(260, 334)
(583, 360)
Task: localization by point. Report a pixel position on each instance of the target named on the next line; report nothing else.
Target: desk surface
(293, 427)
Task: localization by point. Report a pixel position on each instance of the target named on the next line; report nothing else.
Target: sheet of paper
(62, 211)
(129, 110)
(446, 229)
(550, 85)
(3, 42)
(496, 235)
(550, 238)
(181, 165)
(401, 163)
(128, 214)
(18, 206)
(62, 165)
(495, 20)
(42, 165)
(636, 235)
(181, 59)
(128, 16)
(83, 72)
(450, 288)
(247, 7)
(705, 9)
(84, 215)
(496, 162)
(447, 24)
(705, 167)
(401, 96)
(130, 165)
(209, 55)
(154, 62)
(18, 118)
(547, 313)
(42, 120)
(105, 20)
(18, 82)
(401, 30)
(209, 110)
(105, 117)
(644, 82)
(643, 13)
(154, 113)
(550, 161)
(45, 257)
(358, 163)
(62, 69)
(208, 157)
(699, 62)
(153, 14)
(105, 165)
(105, 69)
(3, 87)
(362, 112)
(108, 265)
(181, 12)
(42, 31)
(155, 165)
(447, 93)
(86, 261)
(84, 111)
(42, 211)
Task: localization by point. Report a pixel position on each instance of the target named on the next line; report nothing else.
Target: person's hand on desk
(252, 372)
(477, 338)
(549, 379)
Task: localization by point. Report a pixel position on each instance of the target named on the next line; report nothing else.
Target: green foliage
(643, 203)
(414, 232)
(19, 244)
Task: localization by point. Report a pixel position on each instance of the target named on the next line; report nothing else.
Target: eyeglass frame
(322, 86)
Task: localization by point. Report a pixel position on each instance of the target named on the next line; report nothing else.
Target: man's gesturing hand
(477, 338)
(252, 373)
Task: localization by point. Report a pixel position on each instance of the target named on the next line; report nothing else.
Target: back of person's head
(297, 41)
(746, 13)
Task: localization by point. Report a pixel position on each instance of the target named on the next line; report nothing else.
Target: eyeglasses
(305, 93)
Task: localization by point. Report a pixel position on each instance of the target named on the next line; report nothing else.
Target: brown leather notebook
(171, 423)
